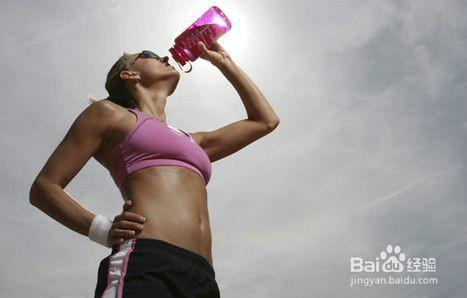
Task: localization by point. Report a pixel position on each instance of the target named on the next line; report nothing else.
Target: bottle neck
(178, 55)
(180, 58)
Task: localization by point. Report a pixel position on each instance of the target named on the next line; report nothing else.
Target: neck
(152, 104)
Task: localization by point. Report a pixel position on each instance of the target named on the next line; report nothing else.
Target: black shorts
(152, 268)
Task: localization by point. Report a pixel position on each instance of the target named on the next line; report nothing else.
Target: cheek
(152, 71)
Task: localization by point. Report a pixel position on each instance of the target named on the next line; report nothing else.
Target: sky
(370, 150)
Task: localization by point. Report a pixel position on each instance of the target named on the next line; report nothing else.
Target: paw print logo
(392, 258)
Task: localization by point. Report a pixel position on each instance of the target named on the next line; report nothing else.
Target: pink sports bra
(154, 143)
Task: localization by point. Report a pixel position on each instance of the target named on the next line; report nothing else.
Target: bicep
(229, 139)
(80, 143)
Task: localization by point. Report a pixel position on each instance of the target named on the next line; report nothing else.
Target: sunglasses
(149, 54)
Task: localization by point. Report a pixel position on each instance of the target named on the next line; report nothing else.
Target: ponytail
(91, 99)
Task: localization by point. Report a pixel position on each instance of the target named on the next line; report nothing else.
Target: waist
(187, 232)
(180, 219)
(174, 203)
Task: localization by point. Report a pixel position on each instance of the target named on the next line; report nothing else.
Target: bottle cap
(179, 59)
(176, 55)
(187, 71)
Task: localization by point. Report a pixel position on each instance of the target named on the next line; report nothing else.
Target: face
(152, 72)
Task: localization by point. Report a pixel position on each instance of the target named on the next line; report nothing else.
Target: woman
(161, 169)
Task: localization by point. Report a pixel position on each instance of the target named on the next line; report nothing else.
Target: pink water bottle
(208, 28)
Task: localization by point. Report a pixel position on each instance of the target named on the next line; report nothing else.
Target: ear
(129, 74)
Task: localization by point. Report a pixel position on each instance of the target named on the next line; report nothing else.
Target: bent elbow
(33, 191)
(37, 191)
(273, 124)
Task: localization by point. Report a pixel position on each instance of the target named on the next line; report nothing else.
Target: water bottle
(208, 28)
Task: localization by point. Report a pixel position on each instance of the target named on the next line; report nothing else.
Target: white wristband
(99, 230)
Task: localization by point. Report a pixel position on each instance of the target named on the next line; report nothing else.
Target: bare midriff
(174, 201)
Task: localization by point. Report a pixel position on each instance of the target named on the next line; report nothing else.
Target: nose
(165, 59)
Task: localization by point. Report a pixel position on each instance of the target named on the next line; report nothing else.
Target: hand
(125, 225)
(217, 55)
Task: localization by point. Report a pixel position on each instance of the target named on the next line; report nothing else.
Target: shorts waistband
(141, 243)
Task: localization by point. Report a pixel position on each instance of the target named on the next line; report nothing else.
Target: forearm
(55, 202)
(256, 105)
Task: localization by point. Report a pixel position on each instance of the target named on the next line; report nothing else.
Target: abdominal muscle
(174, 201)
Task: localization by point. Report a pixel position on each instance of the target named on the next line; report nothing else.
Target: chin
(175, 83)
(177, 75)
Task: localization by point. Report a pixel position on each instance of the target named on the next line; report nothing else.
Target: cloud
(370, 150)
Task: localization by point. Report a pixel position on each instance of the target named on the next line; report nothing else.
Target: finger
(116, 241)
(120, 240)
(127, 204)
(121, 233)
(201, 46)
(122, 236)
(129, 225)
(131, 216)
(204, 50)
(217, 46)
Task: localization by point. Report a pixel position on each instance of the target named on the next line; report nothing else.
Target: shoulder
(98, 118)
(105, 112)
(102, 107)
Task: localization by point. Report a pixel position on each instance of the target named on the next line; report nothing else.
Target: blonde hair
(115, 86)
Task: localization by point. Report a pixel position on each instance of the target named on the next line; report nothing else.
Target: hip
(192, 238)
(143, 267)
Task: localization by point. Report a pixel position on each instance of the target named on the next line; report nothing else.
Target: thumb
(202, 46)
(127, 204)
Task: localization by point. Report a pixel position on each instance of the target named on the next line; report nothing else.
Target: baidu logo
(392, 261)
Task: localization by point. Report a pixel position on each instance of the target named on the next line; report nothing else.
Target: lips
(167, 63)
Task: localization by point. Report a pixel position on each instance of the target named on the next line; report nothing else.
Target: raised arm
(80, 143)
(261, 118)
